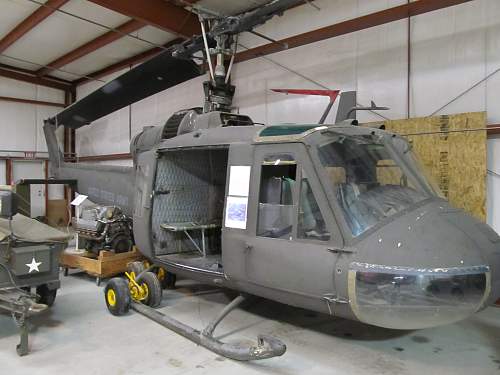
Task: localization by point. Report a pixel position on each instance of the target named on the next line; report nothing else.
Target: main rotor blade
(155, 75)
(249, 20)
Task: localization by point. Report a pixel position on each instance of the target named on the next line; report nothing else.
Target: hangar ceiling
(69, 39)
(61, 43)
(64, 43)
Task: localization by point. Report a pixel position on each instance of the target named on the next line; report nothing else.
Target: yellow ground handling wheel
(167, 279)
(145, 288)
(120, 292)
(117, 296)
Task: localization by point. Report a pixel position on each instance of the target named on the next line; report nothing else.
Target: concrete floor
(79, 336)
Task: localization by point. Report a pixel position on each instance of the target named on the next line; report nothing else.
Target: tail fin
(346, 104)
(103, 184)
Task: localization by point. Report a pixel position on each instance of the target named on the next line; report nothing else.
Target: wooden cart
(106, 264)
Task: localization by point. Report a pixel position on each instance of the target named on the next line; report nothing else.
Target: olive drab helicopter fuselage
(338, 219)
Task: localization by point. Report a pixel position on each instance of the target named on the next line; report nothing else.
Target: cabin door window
(277, 196)
(310, 224)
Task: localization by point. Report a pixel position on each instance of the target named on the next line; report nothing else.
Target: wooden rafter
(30, 22)
(91, 46)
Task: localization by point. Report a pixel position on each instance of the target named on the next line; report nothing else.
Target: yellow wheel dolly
(142, 287)
(167, 279)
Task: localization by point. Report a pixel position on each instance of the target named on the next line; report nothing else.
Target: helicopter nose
(486, 244)
(433, 266)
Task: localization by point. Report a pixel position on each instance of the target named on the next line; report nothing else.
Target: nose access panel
(414, 298)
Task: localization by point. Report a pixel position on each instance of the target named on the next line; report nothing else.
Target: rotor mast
(218, 90)
(220, 40)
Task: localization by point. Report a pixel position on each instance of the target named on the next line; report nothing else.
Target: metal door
(32, 169)
(276, 257)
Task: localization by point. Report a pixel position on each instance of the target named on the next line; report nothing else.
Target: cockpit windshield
(373, 178)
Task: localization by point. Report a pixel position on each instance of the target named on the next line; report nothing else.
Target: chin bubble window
(414, 298)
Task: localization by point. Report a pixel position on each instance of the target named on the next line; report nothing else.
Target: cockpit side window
(276, 197)
(311, 224)
(370, 180)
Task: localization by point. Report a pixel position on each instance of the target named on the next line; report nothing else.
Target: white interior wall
(451, 50)
(21, 125)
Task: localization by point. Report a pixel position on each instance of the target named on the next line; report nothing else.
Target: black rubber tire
(122, 294)
(136, 267)
(45, 295)
(154, 288)
(168, 282)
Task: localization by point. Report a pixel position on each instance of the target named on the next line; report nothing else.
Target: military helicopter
(339, 219)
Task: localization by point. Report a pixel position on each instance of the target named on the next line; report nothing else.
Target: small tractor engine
(104, 228)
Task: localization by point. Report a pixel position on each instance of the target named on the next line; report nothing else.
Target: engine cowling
(150, 136)
(184, 121)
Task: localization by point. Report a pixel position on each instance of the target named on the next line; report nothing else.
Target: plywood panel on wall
(455, 160)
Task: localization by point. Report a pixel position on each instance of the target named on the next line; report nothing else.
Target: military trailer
(29, 265)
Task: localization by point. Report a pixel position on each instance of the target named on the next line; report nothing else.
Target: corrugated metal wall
(21, 130)
(21, 124)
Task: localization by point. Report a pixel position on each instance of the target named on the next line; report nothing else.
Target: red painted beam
(30, 22)
(124, 156)
(8, 171)
(361, 23)
(30, 77)
(493, 129)
(31, 101)
(91, 46)
(41, 158)
(31, 72)
(158, 13)
(136, 59)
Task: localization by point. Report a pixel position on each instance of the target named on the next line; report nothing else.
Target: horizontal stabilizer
(155, 75)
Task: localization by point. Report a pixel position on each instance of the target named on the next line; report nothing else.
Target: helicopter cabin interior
(188, 206)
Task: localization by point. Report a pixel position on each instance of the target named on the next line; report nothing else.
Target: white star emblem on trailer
(33, 266)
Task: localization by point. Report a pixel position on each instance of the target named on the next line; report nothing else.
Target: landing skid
(143, 293)
(266, 346)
